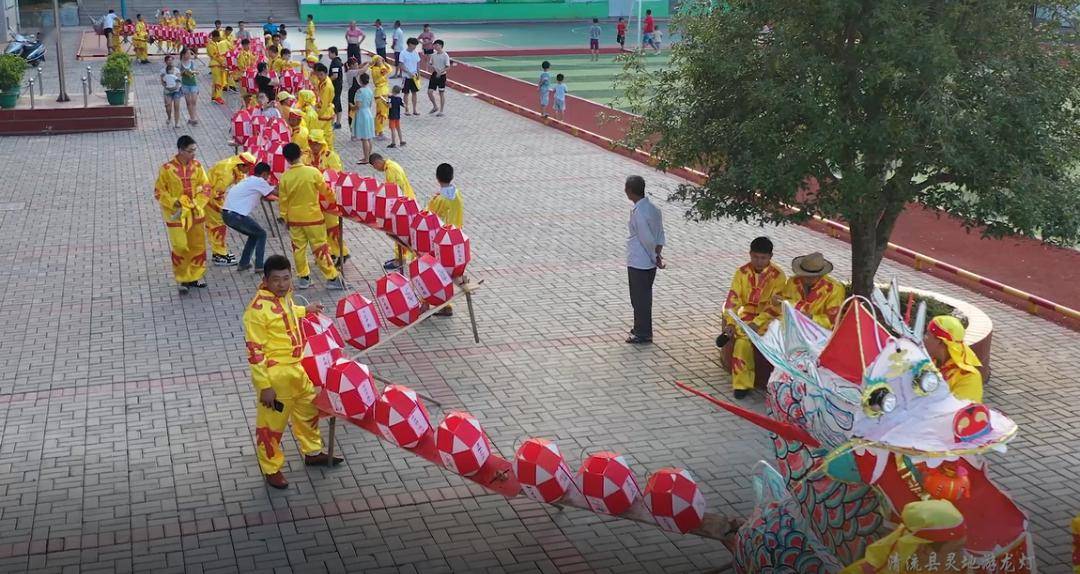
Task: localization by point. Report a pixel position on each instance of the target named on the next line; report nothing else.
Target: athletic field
(585, 79)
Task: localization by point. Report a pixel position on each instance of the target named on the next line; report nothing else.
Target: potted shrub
(11, 74)
(114, 78)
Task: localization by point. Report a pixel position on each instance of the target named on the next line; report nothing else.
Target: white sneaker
(303, 282)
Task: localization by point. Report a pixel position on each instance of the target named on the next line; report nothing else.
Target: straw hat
(284, 97)
(813, 265)
(247, 157)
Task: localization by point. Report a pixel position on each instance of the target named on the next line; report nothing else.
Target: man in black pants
(643, 247)
(337, 76)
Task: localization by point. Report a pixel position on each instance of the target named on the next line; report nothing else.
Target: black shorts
(429, 51)
(108, 32)
(437, 83)
(409, 86)
(381, 52)
(620, 39)
(397, 57)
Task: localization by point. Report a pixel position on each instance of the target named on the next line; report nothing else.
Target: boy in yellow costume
(183, 191)
(929, 532)
(323, 158)
(944, 341)
(300, 135)
(449, 206)
(299, 191)
(812, 291)
(310, 48)
(275, 344)
(305, 100)
(754, 298)
(380, 72)
(189, 22)
(216, 49)
(245, 59)
(223, 175)
(393, 173)
(140, 40)
(324, 102)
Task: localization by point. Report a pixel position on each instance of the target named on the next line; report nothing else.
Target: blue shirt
(380, 38)
(560, 92)
(545, 81)
(269, 28)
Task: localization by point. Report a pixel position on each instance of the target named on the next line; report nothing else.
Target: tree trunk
(865, 256)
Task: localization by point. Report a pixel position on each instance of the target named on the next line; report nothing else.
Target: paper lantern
(274, 156)
(242, 128)
(350, 389)
(331, 177)
(358, 196)
(385, 199)
(320, 351)
(292, 81)
(430, 280)
(274, 130)
(397, 300)
(674, 499)
(452, 249)
(400, 416)
(607, 483)
(425, 225)
(313, 324)
(361, 320)
(230, 59)
(462, 444)
(247, 80)
(404, 211)
(541, 470)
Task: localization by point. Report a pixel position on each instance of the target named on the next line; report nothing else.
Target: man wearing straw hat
(275, 345)
(812, 291)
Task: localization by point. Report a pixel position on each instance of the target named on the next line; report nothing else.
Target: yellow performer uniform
(300, 134)
(811, 290)
(299, 191)
(216, 51)
(960, 370)
(393, 173)
(450, 211)
(275, 345)
(244, 60)
(183, 190)
(929, 531)
(380, 72)
(223, 175)
(140, 41)
(189, 22)
(324, 104)
(751, 298)
(309, 39)
(116, 38)
(322, 159)
(305, 100)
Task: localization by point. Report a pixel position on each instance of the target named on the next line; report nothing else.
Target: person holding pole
(299, 191)
(182, 190)
(323, 158)
(393, 173)
(275, 344)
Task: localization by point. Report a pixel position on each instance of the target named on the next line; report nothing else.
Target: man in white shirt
(397, 45)
(108, 25)
(440, 63)
(410, 66)
(240, 201)
(643, 247)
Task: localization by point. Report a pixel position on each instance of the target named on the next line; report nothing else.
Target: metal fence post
(85, 97)
(31, 90)
(40, 84)
(89, 80)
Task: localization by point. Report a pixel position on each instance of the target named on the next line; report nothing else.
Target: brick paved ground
(126, 436)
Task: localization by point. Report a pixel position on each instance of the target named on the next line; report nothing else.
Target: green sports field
(585, 79)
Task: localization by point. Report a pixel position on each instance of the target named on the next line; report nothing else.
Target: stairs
(205, 11)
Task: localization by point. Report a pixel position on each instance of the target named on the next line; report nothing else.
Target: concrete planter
(980, 328)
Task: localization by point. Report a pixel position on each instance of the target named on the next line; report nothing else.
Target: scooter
(29, 48)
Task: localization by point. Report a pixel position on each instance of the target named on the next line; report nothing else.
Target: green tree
(961, 105)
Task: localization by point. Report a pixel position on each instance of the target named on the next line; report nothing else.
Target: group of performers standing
(759, 287)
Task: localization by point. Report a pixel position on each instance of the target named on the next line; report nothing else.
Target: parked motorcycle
(29, 48)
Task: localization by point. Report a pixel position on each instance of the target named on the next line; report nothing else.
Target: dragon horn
(785, 430)
(920, 322)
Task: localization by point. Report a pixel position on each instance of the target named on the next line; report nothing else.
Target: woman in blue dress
(364, 123)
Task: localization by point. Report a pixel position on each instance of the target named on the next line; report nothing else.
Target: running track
(1049, 272)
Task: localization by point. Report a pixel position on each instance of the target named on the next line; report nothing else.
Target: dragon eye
(927, 382)
(881, 401)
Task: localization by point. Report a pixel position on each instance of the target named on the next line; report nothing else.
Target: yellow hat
(284, 96)
(306, 97)
(296, 113)
(317, 136)
(312, 59)
(951, 331)
(376, 59)
(247, 157)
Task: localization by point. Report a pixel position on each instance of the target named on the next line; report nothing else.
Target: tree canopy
(853, 109)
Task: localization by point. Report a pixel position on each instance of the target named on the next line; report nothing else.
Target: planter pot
(8, 99)
(116, 97)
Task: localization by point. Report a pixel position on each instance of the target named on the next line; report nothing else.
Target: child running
(560, 97)
(594, 40)
(545, 87)
(396, 102)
